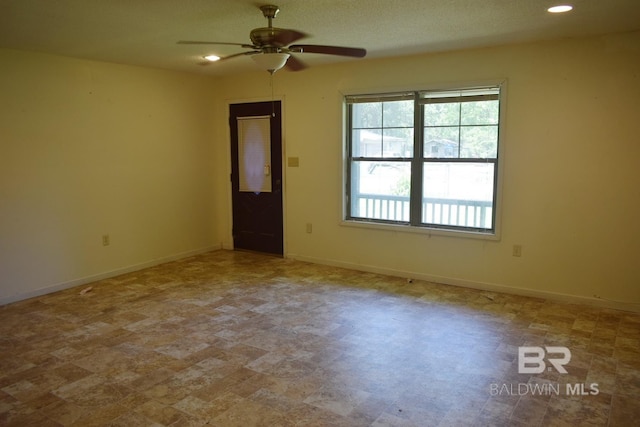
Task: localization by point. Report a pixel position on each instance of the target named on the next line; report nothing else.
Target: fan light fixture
(212, 58)
(271, 62)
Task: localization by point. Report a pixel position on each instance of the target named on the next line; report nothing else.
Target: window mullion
(459, 130)
(415, 216)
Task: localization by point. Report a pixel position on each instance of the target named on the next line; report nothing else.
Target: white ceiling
(144, 32)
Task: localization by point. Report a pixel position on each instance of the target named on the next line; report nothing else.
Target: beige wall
(571, 184)
(89, 148)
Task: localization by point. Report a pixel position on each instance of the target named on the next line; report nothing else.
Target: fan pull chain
(273, 105)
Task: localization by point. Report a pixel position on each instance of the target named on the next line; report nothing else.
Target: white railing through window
(440, 211)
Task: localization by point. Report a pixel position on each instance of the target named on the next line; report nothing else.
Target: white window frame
(415, 226)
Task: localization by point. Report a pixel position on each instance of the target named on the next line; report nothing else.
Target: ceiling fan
(271, 47)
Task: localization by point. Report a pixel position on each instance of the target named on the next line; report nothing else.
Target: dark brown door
(256, 176)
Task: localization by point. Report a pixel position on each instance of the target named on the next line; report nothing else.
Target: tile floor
(237, 339)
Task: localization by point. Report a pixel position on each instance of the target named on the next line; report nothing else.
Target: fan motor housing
(265, 36)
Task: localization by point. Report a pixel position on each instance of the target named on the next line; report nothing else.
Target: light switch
(293, 162)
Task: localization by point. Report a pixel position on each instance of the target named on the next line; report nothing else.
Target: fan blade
(294, 64)
(248, 46)
(228, 57)
(237, 54)
(285, 37)
(355, 52)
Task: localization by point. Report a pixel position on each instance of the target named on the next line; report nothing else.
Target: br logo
(531, 360)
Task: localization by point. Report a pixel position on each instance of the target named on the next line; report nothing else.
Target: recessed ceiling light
(211, 58)
(560, 8)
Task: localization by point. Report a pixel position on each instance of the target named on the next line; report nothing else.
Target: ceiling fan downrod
(270, 11)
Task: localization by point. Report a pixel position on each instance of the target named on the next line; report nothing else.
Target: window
(424, 159)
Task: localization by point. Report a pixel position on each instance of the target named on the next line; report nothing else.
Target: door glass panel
(254, 154)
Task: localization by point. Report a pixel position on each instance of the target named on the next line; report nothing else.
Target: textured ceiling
(144, 32)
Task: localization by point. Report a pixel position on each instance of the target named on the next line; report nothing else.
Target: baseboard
(104, 275)
(491, 287)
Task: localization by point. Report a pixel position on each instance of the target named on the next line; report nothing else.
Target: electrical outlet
(517, 250)
(106, 240)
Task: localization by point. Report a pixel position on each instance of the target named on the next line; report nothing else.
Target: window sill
(401, 228)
